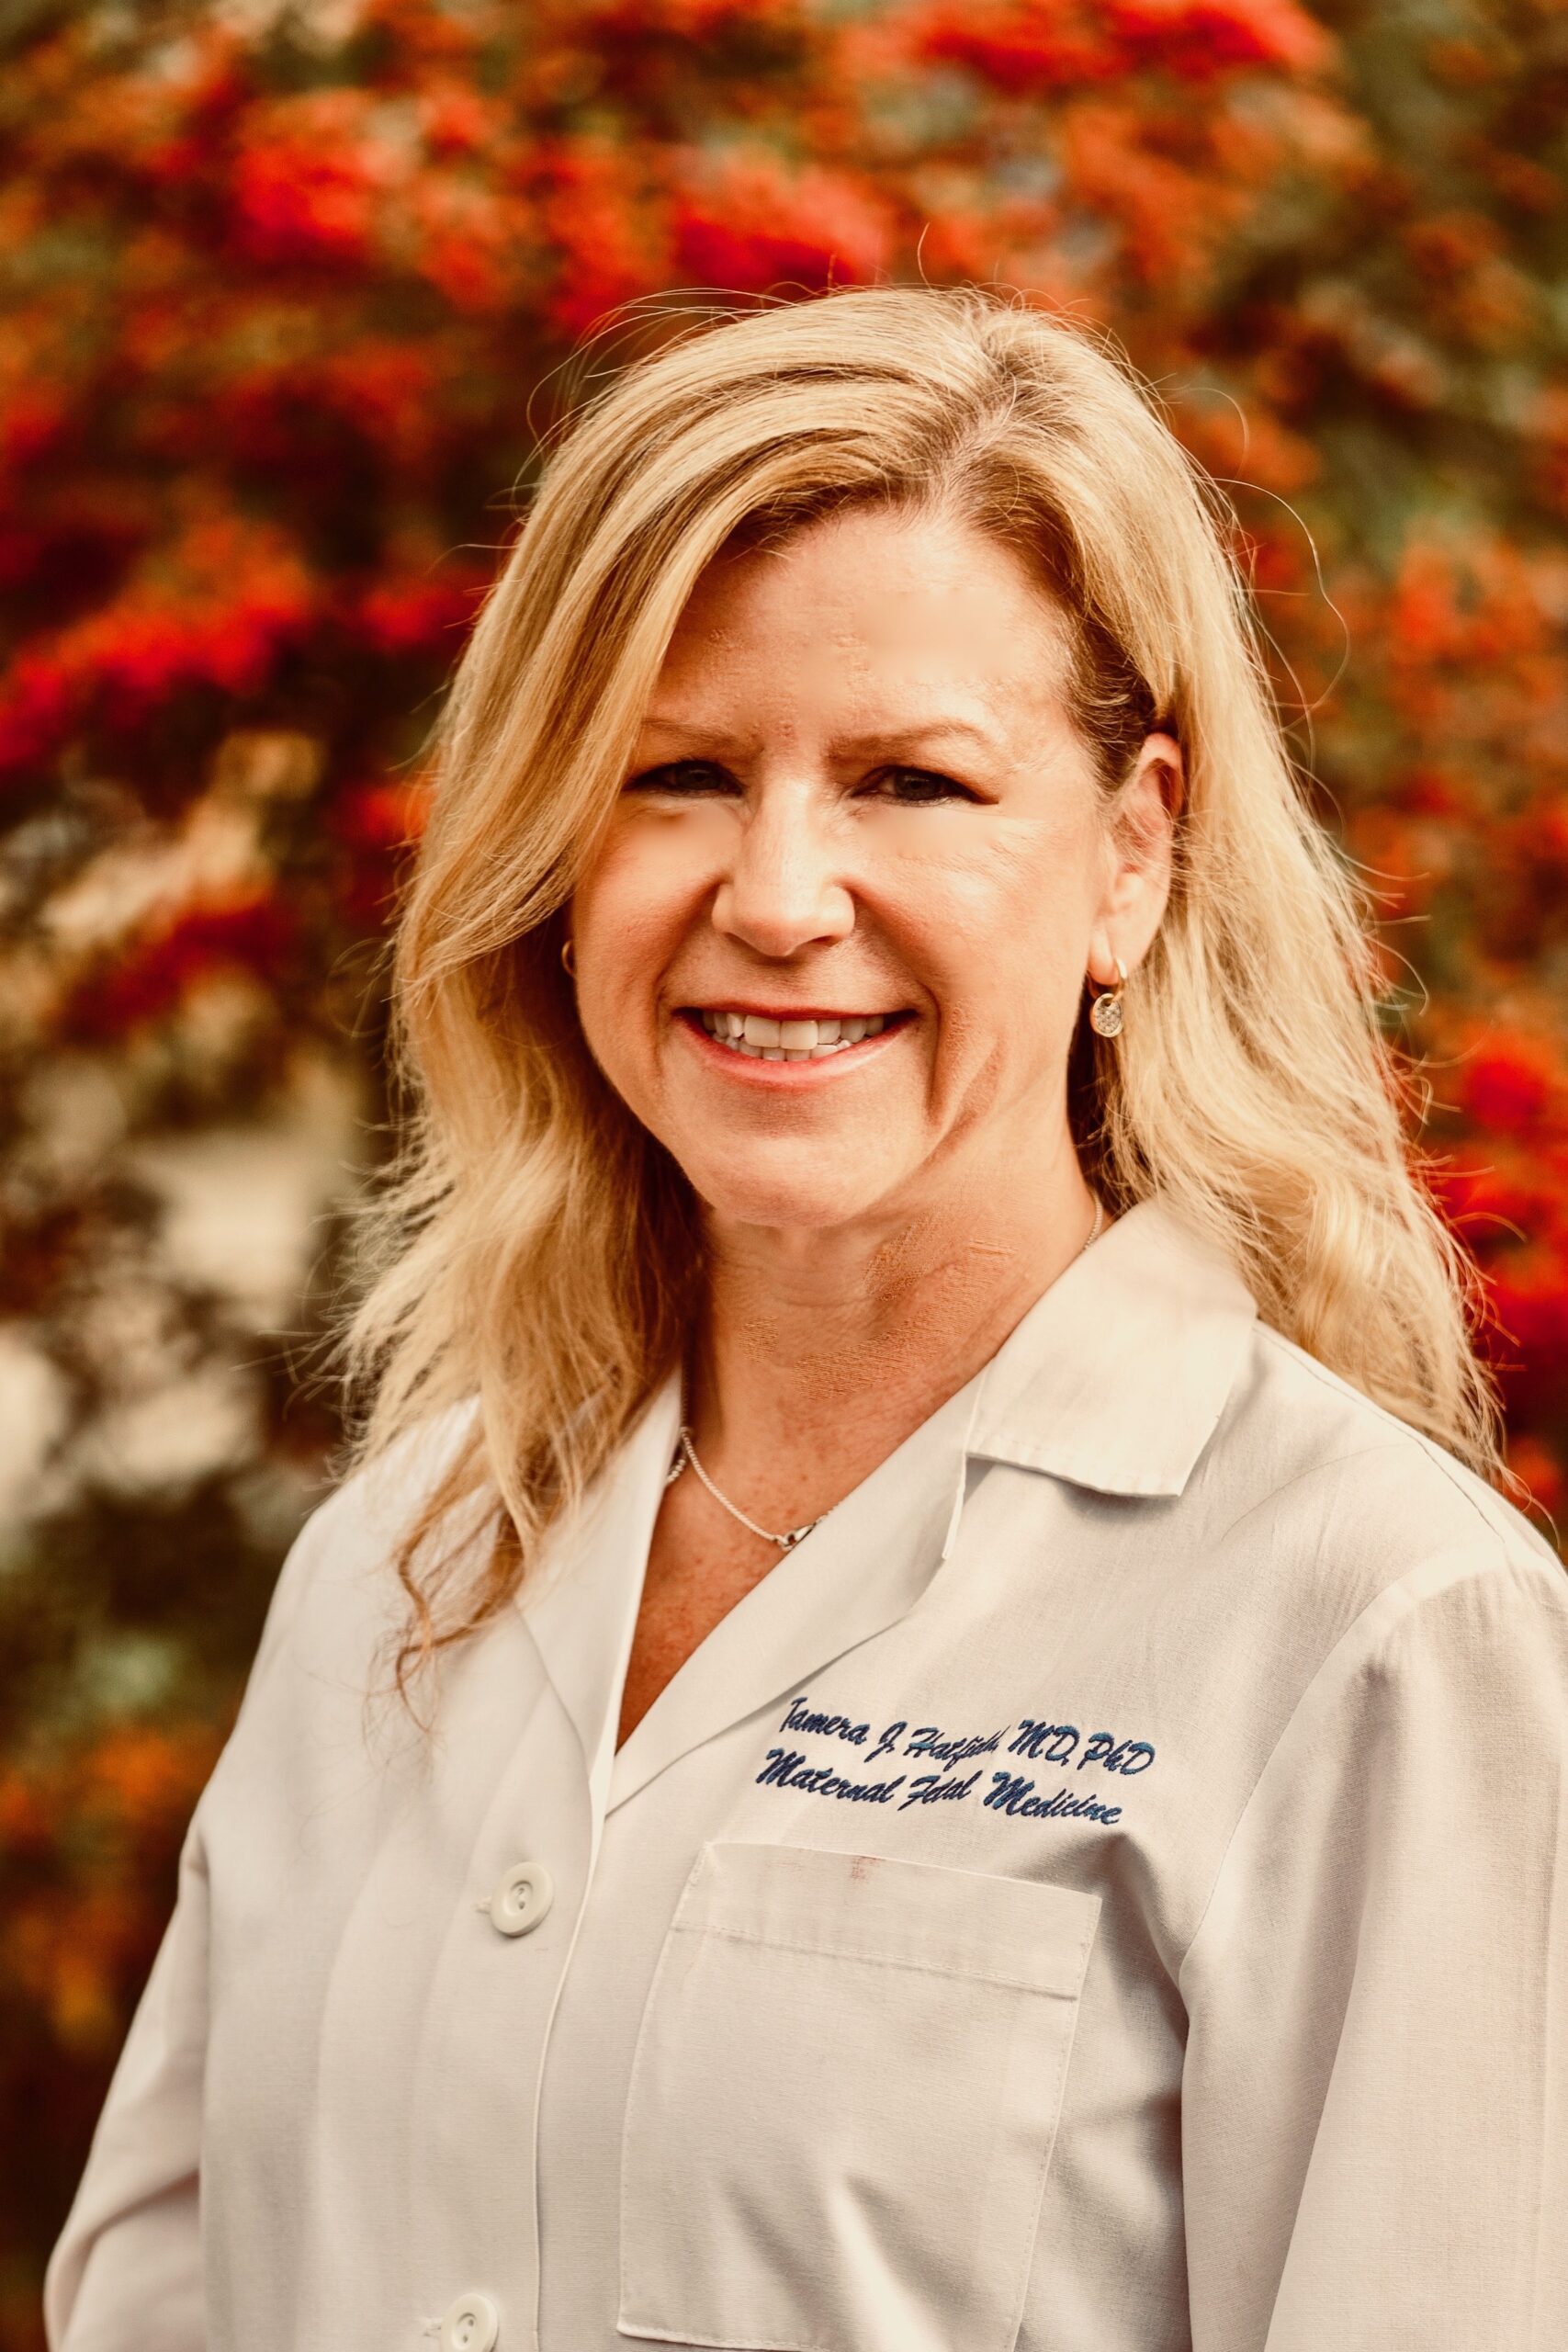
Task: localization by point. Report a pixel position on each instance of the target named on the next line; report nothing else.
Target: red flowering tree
(288, 290)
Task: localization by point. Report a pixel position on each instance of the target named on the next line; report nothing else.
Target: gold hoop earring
(566, 964)
(1105, 1010)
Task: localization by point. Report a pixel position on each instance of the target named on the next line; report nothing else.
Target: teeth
(762, 1039)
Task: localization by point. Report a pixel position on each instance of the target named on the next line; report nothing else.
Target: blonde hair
(539, 1253)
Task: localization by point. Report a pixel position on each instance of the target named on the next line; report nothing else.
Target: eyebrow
(889, 741)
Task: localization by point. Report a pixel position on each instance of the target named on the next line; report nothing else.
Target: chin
(813, 1198)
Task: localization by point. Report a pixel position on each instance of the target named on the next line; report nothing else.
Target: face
(831, 948)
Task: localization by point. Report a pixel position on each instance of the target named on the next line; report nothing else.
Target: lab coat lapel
(583, 1612)
(860, 1571)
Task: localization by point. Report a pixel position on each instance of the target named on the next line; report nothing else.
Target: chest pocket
(844, 2101)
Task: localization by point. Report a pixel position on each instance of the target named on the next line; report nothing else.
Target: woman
(991, 1769)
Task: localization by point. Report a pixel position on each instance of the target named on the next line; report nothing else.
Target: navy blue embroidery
(1124, 1756)
(1034, 1739)
(1009, 1794)
(929, 1741)
(826, 1726)
(1058, 1743)
(932, 1788)
(1045, 1743)
(786, 1769)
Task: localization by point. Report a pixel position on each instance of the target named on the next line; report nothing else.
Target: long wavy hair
(536, 1256)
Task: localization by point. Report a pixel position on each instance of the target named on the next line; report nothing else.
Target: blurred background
(286, 292)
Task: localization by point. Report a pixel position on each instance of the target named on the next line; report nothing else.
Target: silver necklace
(687, 1452)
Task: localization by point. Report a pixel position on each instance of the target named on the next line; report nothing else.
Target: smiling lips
(762, 1038)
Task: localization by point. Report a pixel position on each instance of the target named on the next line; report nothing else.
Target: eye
(920, 787)
(688, 778)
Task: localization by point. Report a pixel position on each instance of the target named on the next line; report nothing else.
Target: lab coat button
(522, 1899)
(471, 2325)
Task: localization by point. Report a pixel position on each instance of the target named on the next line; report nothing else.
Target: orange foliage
(290, 294)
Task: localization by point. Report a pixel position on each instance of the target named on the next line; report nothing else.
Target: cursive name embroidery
(786, 1769)
(796, 1718)
(1058, 1744)
(1009, 1794)
(1033, 1739)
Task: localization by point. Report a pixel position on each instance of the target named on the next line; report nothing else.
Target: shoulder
(1389, 1633)
(1305, 1423)
(313, 1715)
(338, 1572)
(377, 1499)
(1339, 1516)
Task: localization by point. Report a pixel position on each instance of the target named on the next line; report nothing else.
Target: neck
(821, 1351)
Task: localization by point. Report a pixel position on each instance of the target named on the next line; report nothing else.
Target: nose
(783, 889)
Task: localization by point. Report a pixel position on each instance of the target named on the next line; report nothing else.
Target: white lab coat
(1103, 1892)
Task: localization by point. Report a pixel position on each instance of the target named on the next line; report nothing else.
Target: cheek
(1005, 937)
(644, 892)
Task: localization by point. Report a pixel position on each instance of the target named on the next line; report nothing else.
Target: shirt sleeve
(1375, 2090)
(126, 2271)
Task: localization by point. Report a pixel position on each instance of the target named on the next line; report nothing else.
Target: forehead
(864, 609)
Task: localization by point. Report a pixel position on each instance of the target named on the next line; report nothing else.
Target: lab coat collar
(1116, 1377)
(1114, 1380)
(581, 1605)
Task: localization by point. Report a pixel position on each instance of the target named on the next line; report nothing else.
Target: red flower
(255, 934)
(605, 230)
(1037, 46)
(310, 178)
(382, 815)
(1199, 38)
(1541, 1469)
(749, 223)
(212, 611)
(1513, 1084)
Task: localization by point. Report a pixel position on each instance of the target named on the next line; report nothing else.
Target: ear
(1140, 839)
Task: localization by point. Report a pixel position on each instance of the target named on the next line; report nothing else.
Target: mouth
(788, 1036)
